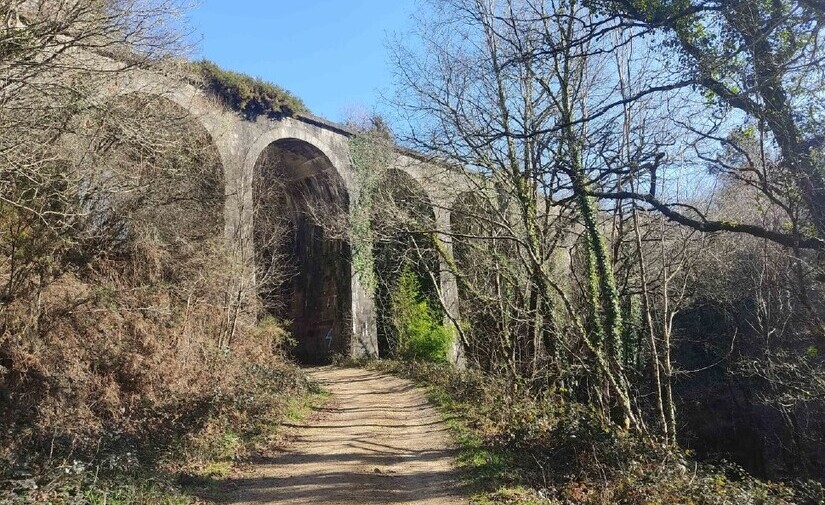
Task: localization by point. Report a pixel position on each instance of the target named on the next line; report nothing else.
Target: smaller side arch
(402, 220)
(442, 185)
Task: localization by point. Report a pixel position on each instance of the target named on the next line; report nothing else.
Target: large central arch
(302, 265)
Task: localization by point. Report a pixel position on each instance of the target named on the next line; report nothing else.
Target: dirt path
(377, 441)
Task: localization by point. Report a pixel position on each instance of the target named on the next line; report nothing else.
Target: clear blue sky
(331, 53)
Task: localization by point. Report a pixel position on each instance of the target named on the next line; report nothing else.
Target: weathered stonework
(241, 142)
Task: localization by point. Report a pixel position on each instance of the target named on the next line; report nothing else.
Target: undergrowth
(132, 359)
(178, 459)
(188, 445)
(529, 448)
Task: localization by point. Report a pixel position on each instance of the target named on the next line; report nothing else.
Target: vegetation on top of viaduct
(251, 96)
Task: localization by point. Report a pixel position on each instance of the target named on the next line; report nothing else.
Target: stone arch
(476, 240)
(213, 117)
(466, 212)
(221, 125)
(405, 218)
(180, 191)
(431, 179)
(334, 149)
(302, 261)
(465, 223)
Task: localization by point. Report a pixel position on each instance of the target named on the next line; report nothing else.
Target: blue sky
(331, 53)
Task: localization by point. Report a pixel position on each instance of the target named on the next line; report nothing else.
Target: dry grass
(530, 448)
(117, 369)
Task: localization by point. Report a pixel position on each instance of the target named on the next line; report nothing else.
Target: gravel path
(377, 441)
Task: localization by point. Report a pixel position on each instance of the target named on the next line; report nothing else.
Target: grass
(138, 494)
(484, 466)
(206, 480)
(141, 488)
(300, 409)
(232, 449)
(488, 471)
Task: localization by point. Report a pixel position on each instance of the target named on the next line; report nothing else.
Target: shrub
(250, 96)
(523, 446)
(271, 330)
(420, 335)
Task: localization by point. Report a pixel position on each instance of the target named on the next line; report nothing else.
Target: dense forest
(637, 238)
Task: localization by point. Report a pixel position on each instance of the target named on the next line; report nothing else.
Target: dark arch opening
(302, 264)
(470, 219)
(403, 222)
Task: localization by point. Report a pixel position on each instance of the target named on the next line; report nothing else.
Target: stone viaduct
(302, 148)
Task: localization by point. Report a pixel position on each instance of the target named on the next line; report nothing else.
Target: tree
(419, 333)
(761, 60)
(504, 91)
(50, 82)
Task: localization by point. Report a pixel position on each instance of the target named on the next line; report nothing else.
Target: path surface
(377, 441)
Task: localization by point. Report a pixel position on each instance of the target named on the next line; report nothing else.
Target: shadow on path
(377, 441)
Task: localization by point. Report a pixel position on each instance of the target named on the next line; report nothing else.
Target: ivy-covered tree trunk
(606, 314)
(604, 337)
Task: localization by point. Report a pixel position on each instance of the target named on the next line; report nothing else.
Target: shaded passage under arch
(403, 221)
(477, 250)
(302, 266)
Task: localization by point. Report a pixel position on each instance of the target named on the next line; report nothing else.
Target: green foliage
(250, 96)
(271, 330)
(633, 327)
(604, 296)
(370, 158)
(420, 334)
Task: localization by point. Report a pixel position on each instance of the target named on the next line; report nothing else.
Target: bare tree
(506, 91)
(761, 64)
